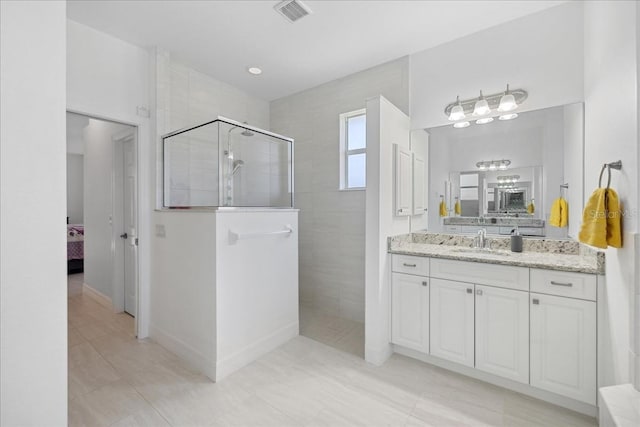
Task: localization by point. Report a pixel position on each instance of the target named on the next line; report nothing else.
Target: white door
(410, 311)
(502, 332)
(563, 346)
(451, 321)
(419, 205)
(403, 185)
(130, 216)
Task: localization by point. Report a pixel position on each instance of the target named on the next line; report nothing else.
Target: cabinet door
(419, 205)
(403, 185)
(502, 332)
(410, 311)
(451, 320)
(563, 346)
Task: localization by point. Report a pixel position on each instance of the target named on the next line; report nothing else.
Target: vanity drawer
(564, 283)
(451, 229)
(502, 276)
(416, 265)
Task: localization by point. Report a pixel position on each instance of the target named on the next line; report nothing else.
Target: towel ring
(608, 167)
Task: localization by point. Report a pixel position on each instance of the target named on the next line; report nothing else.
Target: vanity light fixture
(486, 106)
(507, 102)
(484, 120)
(481, 107)
(493, 164)
(461, 125)
(457, 112)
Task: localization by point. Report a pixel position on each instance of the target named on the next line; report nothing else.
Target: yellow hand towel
(457, 208)
(531, 208)
(593, 230)
(443, 208)
(559, 213)
(614, 219)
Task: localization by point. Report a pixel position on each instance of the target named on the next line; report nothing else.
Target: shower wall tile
(331, 222)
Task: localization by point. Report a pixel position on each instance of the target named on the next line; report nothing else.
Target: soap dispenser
(516, 241)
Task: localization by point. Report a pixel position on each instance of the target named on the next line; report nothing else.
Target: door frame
(118, 174)
(145, 155)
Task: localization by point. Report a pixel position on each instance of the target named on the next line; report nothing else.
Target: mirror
(498, 193)
(508, 169)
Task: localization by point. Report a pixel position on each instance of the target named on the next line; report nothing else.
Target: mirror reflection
(505, 174)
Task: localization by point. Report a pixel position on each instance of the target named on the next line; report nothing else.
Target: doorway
(104, 215)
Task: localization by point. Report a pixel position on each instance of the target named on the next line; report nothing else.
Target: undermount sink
(480, 251)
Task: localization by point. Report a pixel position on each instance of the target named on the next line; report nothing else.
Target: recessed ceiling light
(254, 70)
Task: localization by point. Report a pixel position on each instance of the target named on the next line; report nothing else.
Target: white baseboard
(194, 357)
(377, 356)
(97, 296)
(556, 399)
(255, 350)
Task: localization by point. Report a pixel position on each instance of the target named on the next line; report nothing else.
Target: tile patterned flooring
(116, 380)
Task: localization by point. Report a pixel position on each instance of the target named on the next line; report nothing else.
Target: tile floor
(343, 334)
(117, 380)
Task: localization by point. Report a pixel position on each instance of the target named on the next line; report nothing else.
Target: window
(353, 147)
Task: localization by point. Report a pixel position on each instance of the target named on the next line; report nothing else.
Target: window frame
(345, 152)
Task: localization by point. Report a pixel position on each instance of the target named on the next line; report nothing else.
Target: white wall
(98, 205)
(332, 221)
(109, 78)
(541, 53)
(33, 307)
(386, 125)
(611, 133)
(75, 188)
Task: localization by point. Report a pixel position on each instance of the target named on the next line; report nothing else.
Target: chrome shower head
(246, 132)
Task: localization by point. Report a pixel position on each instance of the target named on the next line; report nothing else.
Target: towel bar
(613, 165)
(233, 236)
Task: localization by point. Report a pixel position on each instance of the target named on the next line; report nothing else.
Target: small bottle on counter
(516, 240)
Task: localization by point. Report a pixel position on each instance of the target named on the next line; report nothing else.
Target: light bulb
(481, 107)
(484, 120)
(457, 112)
(461, 125)
(492, 166)
(507, 102)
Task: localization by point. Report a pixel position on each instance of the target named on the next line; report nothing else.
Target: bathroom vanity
(526, 321)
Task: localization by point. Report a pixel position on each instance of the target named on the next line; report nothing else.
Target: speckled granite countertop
(561, 255)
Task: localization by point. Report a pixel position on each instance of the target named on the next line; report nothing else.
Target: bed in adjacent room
(75, 248)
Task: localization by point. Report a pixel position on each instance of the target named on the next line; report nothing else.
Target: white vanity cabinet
(452, 319)
(563, 346)
(532, 326)
(502, 332)
(410, 311)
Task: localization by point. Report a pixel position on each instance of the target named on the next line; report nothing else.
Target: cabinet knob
(535, 301)
(469, 290)
(479, 292)
(424, 283)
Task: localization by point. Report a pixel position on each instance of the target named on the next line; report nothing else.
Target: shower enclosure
(224, 163)
(225, 284)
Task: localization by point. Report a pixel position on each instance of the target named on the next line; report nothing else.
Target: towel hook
(615, 165)
(565, 186)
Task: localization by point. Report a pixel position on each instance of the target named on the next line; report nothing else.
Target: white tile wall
(331, 222)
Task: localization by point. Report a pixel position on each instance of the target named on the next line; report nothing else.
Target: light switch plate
(160, 230)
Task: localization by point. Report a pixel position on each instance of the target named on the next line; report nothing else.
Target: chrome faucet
(481, 239)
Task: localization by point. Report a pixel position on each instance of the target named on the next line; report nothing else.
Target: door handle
(469, 290)
(535, 301)
(424, 283)
(567, 284)
(479, 292)
(124, 236)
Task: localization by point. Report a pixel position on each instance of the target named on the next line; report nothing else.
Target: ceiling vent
(292, 10)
